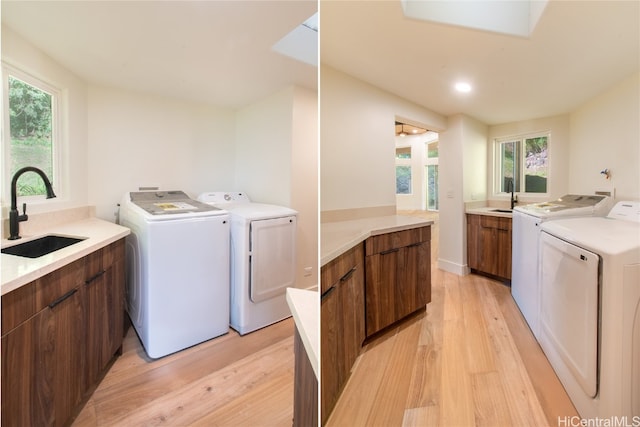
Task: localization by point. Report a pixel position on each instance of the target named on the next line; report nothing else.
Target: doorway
(416, 162)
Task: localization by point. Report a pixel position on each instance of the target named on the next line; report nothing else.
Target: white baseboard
(452, 267)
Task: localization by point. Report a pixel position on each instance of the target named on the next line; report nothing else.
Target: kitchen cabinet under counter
(489, 244)
(360, 287)
(398, 276)
(62, 322)
(59, 334)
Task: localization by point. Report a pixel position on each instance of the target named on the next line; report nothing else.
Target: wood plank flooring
(468, 360)
(227, 381)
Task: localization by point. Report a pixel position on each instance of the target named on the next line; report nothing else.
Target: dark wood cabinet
(104, 308)
(342, 329)
(398, 276)
(305, 396)
(489, 245)
(59, 333)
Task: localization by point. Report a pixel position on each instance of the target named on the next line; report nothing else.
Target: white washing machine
(177, 270)
(590, 310)
(525, 287)
(263, 259)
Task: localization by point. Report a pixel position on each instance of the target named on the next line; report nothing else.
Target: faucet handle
(24, 216)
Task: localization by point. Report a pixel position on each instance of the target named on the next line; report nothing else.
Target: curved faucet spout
(14, 217)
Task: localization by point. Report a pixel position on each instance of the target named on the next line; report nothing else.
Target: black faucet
(514, 200)
(14, 217)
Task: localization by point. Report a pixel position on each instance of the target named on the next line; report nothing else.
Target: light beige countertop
(338, 237)
(17, 271)
(490, 211)
(304, 307)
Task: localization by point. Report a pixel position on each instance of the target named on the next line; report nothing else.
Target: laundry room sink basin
(502, 210)
(41, 246)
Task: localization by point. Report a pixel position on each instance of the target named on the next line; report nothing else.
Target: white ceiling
(216, 52)
(577, 50)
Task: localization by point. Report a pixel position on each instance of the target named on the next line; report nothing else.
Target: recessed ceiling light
(463, 87)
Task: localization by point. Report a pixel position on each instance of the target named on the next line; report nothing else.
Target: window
(403, 170)
(403, 179)
(30, 139)
(431, 165)
(522, 164)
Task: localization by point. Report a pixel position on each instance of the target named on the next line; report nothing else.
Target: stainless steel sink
(502, 210)
(41, 246)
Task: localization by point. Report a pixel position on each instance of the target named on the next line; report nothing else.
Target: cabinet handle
(91, 279)
(348, 275)
(63, 297)
(389, 251)
(413, 245)
(327, 292)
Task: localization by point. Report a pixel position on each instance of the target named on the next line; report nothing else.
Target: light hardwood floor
(227, 381)
(468, 360)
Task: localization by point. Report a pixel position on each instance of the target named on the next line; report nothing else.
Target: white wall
(474, 166)
(143, 140)
(277, 163)
(304, 185)
(263, 149)
(462, 173)
(558, 146)
(72, 187)
(605, 133)
(358, 141)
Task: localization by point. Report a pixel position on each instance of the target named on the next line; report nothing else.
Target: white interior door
(272, 257)
(569, 309)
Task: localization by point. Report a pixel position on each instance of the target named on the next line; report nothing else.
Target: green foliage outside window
(30, 121)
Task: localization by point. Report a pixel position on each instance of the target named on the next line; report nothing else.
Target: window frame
(405, 162)
(498, 166)
(56, 94)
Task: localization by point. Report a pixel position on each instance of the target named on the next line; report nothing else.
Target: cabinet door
(104, 310)
(331, 376)
(473, 254)
(342, 328)
(413, 289)
(352, 321)
(503, 239)
(380, 294)
(487, 248)
(43, 365)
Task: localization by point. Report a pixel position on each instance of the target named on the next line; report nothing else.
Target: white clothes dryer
(590, 317)
(525, 286)
(263, 259)
(177, 270)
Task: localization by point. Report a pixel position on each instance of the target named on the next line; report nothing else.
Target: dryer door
(272, 256)
(569, 310)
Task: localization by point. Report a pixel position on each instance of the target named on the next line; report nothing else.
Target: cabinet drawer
(24, 302)
(17, 306)
(495, 222)
(395, 240)
(337, 268)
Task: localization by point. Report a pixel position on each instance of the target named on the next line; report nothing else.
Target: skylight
(301, 43)
(517, 18)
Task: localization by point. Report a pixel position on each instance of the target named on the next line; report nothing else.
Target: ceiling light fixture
(463, 87)
(403, 129)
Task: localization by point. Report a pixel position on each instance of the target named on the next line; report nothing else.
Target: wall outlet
(308, 271)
